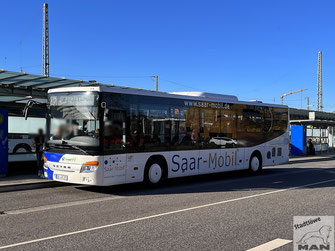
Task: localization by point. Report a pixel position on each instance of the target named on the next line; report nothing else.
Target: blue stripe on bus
(54, 157)
(49, 172)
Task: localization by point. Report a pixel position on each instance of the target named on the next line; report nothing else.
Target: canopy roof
(315, 123)
(18, 85)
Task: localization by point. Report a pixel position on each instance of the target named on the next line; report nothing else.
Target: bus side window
(114, 128)
(227, 121)
(151, 128)
(178, 129)
(192, 124)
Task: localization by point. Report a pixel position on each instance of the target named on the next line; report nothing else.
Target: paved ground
(230, 211)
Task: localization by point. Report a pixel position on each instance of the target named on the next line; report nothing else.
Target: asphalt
(229, 211)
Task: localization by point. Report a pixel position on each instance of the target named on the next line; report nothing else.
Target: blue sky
(252, 49)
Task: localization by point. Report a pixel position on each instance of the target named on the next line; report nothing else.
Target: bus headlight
(89, 167)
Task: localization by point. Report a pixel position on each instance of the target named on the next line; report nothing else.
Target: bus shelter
(16, 88)
(320, 132)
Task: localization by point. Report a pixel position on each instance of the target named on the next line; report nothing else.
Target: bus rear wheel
(154, 173)
(255, 164)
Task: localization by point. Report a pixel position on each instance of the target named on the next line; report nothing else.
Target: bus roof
(192, 96)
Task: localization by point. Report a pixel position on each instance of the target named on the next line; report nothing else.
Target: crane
(290, 93)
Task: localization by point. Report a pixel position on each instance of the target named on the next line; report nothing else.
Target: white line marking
(271, 245)
(160, 215)
(60, 205)
(277, 182)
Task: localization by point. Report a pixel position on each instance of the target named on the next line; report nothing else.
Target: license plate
(60, 177)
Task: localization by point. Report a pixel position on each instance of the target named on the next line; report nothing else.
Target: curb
(30, 186)
(320, 157)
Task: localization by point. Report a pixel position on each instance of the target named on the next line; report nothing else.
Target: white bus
(103, 135)
(21, 134)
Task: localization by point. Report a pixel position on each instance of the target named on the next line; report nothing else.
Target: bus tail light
(89, 167)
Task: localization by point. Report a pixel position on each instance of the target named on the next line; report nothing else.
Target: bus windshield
(74, 119)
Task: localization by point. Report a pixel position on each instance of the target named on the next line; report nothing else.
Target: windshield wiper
(77, 148)
(66, 143)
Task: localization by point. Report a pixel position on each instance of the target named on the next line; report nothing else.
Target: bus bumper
(76, 177)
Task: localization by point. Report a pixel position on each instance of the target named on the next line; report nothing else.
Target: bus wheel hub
(155, 173)
(255, 164)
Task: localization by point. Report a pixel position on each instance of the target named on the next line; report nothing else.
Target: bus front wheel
(154, 173)
(255, 163)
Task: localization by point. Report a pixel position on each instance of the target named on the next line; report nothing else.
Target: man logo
(322, 234)
(314, 233)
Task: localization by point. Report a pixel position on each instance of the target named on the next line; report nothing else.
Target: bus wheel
(255, 163)
(154, 173)
(22, 148)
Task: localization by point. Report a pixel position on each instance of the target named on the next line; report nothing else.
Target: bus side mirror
(28, 105)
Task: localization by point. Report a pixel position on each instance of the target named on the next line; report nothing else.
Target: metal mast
(45, 50)
(156, 81)
(319, 97)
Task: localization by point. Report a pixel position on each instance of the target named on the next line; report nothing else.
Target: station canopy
(19, 86)
(303, 115)
(315, 123)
